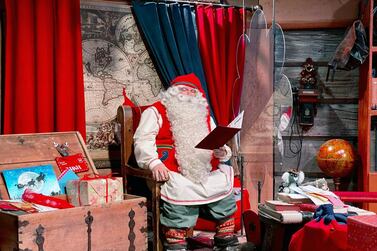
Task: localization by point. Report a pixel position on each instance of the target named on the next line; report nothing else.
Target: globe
(336, 158)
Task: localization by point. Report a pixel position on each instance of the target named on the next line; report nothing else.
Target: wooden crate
(112, 226)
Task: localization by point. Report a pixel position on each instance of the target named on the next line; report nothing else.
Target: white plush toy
(291, 179)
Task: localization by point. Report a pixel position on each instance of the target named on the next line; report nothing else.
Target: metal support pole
(240, 164)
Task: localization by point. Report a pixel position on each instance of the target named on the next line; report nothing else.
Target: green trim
(165, 146)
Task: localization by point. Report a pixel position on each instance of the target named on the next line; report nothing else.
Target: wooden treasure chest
(112, 226)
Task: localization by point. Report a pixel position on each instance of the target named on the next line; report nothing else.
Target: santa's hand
(220, 152)
(160, 172)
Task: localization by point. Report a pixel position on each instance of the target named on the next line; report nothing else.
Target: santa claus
(195, 179)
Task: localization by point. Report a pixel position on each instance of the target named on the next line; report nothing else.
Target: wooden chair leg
(157, 244)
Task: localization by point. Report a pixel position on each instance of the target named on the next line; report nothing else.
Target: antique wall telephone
(308, 94)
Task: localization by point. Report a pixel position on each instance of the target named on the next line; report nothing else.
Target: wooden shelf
(367, 179)
(373, 113)
(373, 49)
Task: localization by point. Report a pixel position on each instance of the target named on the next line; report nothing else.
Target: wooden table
(276, 235)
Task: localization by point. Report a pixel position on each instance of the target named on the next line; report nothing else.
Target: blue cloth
(326, 212)
(169, 34)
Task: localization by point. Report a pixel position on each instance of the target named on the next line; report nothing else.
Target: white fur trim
(154, 163)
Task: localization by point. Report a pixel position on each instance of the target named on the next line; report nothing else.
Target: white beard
(189, 125)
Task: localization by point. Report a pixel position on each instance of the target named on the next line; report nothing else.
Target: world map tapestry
(114, 57)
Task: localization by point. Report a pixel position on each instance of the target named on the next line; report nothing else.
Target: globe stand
(337, 183)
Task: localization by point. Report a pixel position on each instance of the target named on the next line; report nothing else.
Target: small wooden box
(112, 226)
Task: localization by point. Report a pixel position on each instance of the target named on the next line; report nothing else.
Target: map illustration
(114, 57)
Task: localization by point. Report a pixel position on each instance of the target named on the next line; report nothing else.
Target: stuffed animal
(318, 183)
(291, 179)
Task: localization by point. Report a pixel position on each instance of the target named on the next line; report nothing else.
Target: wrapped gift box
(94, 190)
(362, 233)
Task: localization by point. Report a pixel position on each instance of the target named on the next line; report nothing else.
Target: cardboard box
(94, 190)
(113, 226)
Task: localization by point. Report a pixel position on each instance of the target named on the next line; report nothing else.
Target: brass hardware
(89, 220)
(23, 223)
(131, 234)
(143, 230)
(21, 140)
(40, 239)
(63, 149)
(142, 204)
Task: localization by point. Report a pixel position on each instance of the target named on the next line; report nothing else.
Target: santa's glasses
(187, 90)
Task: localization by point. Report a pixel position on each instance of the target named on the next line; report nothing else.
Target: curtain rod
(251, 8)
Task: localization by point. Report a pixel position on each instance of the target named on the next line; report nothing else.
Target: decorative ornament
(291, 179)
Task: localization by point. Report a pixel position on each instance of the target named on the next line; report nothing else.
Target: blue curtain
(169, 34)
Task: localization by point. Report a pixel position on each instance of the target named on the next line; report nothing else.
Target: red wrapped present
(94, 190)
(362, 233)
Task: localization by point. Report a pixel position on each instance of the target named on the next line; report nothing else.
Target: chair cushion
(208, 225)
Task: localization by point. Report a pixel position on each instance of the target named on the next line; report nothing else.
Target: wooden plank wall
(337, 110)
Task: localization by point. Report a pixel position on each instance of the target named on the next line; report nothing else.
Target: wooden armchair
(128, 118)
(125, 116)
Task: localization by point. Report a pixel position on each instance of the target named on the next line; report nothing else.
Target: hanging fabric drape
(219, 32)
(170, 36)
(44, 88)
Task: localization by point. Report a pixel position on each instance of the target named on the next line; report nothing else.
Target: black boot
(226, 243)
(225, 239)
(175, 247)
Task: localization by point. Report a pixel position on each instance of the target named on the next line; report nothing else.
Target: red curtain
(219, 31)
(44, 88)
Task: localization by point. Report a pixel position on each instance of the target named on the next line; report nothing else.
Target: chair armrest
(140, 173)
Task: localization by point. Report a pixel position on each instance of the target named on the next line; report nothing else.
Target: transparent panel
(256, 137)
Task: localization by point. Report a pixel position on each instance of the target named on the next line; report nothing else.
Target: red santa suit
(155, 142)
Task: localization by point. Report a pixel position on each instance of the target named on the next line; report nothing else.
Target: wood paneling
(308, 163)
(308, 14)
(334, 120)
(317, 44)
(343, 88)
(337, 110)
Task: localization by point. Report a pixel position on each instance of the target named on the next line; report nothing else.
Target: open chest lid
(28, 150)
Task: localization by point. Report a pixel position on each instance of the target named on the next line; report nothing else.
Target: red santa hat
(189, 80)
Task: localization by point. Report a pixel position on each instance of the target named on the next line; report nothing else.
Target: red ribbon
(44, 200)
(97, 176)
(88, 177)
